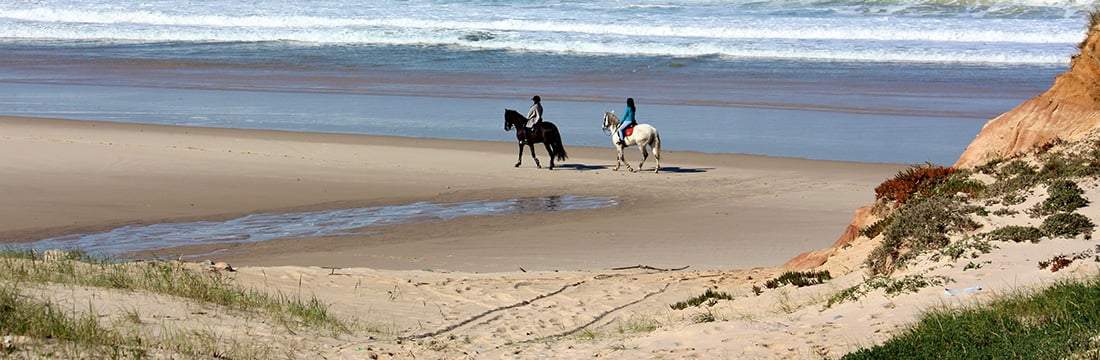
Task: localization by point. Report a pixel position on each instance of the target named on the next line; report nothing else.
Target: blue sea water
(863, 80)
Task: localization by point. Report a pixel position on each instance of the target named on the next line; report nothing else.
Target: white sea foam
(576, 46)
(811, 29)
(968, 31)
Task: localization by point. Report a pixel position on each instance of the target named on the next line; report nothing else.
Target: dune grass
(167, 278)
(1062, 321)
(77, 335)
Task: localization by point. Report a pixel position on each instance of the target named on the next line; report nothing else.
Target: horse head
(610, 122)
(507, 124)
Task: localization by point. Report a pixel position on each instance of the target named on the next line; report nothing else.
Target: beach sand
(421, 290)
(705, 210)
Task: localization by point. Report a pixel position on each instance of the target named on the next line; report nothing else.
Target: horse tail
(559, 148)
(657, 145)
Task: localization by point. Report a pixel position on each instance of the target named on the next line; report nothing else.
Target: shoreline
(762, 105)
(121, 173)
(406, 141)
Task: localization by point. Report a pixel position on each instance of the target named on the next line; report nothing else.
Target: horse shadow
(664, 169)
(583, 167)
(684, 170)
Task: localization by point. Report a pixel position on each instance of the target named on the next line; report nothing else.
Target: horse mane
(611, 114)
(512, 115)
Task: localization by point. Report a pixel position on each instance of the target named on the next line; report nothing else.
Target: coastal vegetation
(799, 279)
(1059, 322)
(708, 296)
(934, 213)
(922, 208)
(80, 333)
(891, 286)
(168, 278)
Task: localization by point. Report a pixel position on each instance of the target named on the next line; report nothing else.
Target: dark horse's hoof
(517, 165)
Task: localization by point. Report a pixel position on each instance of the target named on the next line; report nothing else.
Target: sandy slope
(706, 210)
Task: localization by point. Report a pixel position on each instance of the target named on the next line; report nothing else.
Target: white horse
(643, 136)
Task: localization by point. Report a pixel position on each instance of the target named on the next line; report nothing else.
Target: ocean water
(875, 80)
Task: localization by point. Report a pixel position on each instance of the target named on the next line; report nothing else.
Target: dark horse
(544, 132)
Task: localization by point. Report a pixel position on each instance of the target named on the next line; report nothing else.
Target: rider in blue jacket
(627, 120)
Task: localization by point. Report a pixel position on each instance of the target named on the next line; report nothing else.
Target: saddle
(629, 130)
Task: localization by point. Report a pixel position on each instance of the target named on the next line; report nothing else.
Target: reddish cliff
(1068, 110)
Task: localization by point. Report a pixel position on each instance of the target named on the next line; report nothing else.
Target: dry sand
(705, 210)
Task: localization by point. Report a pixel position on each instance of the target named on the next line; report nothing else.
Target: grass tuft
(44, 320)
(169, 279)
(707, 295)
(799, 279)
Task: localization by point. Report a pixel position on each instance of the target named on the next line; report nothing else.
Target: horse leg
(550, 150)
(532, 146)
(657, 153)
(645, 155)
(520, 160)
(618, 157)
(622, 157)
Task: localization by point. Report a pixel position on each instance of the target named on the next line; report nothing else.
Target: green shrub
(873, 230)
(918, 227)
(1015, 234)
(799, 279)
(699, 300)
(1067, 225)
(972, 246)
(1064, 196)
(1062, 166)
(959, 182)
(1056, 323)
(1012, 178)
(1013, 198)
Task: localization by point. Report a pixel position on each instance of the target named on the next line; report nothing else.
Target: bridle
(607, 123)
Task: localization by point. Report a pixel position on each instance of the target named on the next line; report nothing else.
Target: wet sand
(704, 210)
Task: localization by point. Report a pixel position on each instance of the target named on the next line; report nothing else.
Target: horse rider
(534, 116)
(627, 120)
